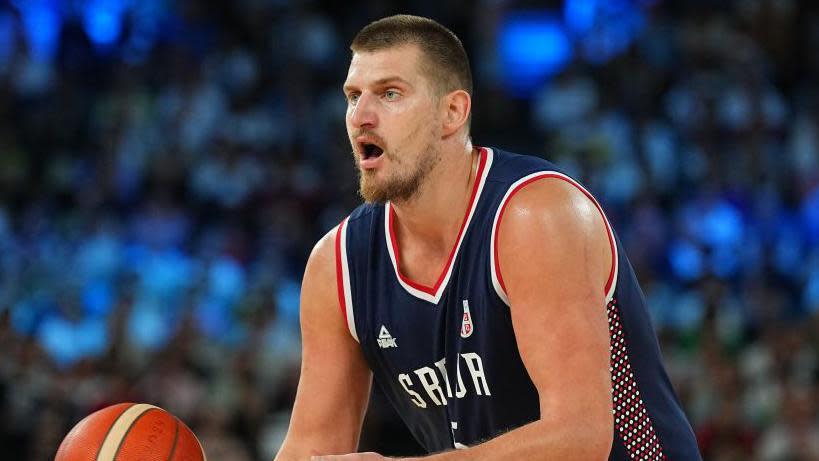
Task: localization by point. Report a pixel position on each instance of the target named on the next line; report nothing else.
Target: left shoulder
(553, 226)
(555, 203)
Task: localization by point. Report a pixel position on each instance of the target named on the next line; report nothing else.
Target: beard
(403, 183)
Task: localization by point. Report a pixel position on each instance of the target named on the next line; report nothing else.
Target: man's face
(392, 122)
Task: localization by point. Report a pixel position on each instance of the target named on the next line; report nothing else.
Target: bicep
(555, 256)
(334, 384)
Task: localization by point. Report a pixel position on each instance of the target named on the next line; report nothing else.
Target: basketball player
(484, 291)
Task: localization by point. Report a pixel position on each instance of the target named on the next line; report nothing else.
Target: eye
(352, 98)
(391, 95)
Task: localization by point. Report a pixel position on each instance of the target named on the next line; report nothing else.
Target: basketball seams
(116, 433)
(127, 431)
(111, 428)
(175, 438)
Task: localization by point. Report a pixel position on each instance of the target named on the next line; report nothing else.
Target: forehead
(369, 66)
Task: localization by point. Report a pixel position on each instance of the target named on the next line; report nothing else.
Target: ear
(457, 106)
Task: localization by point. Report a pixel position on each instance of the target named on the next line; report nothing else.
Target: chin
(369, 189)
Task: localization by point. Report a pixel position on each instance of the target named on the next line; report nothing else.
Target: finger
(349, 457)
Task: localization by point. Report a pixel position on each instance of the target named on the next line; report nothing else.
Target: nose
(363, 114)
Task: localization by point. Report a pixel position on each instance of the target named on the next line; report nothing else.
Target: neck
(435, 213)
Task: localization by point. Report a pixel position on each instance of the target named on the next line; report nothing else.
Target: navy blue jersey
(446, 355)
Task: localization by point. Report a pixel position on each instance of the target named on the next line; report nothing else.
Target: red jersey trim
(520, 185)
(340, 272)
(345, 297)
(433, 292)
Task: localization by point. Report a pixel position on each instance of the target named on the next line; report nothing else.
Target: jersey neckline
(433, 293)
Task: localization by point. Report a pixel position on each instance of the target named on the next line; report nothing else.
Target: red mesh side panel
(630, 415)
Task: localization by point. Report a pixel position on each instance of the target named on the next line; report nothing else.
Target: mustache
(371, 134)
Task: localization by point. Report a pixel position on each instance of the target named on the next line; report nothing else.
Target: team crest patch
(466, 324)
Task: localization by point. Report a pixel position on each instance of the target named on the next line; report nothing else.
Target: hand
(370, 456)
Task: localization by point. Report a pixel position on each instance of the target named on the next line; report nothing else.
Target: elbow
(588, 439)
(600, 447)
(576, 442)
(598, 441)
(584, 443)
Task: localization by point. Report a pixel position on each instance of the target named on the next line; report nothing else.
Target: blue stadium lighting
(580, 14)
(615, 25)
(686, 260)
(532, 47)
(41, 25)
(103, 20)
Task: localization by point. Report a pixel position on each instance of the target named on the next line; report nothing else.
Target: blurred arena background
(165, 168)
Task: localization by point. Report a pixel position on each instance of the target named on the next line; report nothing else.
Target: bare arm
(555, 259)
(334, 386)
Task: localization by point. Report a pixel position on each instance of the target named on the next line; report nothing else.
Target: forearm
(539, 440)
(304, 448)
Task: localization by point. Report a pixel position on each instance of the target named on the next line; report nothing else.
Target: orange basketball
(130, 432)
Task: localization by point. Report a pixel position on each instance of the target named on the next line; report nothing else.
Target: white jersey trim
(436, 297)
(345, 280)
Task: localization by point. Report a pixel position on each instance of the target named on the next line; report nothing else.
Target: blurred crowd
(160, 193)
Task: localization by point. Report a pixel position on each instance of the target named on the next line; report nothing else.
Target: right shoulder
(325, 258)
(322, 260)
(319, 290)
(357, 225)
(324, 249)
(325, 261)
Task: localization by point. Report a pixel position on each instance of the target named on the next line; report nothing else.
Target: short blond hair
(444, 59)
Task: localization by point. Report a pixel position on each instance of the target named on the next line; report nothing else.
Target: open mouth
(369, 150)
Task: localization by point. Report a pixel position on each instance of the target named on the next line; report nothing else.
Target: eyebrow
(381, 82)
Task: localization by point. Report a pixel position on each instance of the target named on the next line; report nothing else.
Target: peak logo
(385, 339)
